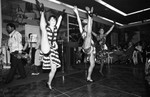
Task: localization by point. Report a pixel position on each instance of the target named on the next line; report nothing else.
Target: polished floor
(119, 80)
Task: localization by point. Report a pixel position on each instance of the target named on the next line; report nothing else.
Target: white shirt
(15, 41)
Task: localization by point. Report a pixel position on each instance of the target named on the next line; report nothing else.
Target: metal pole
(0, 24)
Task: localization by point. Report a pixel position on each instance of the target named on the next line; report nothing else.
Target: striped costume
(53, 56)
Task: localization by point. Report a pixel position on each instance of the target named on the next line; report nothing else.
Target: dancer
(88, 45)
(101, 38)
(49, 45)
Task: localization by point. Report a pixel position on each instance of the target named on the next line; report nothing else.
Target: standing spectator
(15, 47)
(30, 47)
(137, 52)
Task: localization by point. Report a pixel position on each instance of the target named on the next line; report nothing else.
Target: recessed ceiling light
(70, 6)
(111, 7)
(119, 11)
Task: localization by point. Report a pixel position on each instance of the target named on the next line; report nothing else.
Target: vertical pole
(0, 40)
(67, 28)
(0, 24)
(68, 47)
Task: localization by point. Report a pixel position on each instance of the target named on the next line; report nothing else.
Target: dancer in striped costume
(48, 42)
(53, 55)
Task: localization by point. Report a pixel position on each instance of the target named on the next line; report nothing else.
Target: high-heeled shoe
(48, 86)
(89, 11)
(40, 6)
(62, 13)
(89, 80)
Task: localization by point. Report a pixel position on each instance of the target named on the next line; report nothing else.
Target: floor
(119, 80)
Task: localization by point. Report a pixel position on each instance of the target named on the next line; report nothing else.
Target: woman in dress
(49, 45)
(101, 38)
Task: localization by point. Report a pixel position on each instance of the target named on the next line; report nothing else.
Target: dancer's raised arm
(94, 34)
(78, 19)
(111, 28)
(59, 22)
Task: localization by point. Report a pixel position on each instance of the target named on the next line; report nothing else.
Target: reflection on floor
(118, 81)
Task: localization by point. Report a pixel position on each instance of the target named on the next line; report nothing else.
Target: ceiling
(126, 6)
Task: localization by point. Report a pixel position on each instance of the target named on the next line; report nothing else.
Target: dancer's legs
(51, 74)
(91, 67)
(88, 44)
(101, 68)
(87, 41)
(45, 47)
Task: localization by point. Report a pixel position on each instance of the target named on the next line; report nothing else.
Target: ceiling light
(136, 22)
(111, 7)
(110, 20)
(118, 11)
(70, 6)
(55, 1)
(67, 5)
(138, 11)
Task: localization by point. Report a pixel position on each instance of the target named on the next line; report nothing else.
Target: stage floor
(120, 80)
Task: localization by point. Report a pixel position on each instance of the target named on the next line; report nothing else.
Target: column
(0, 23)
